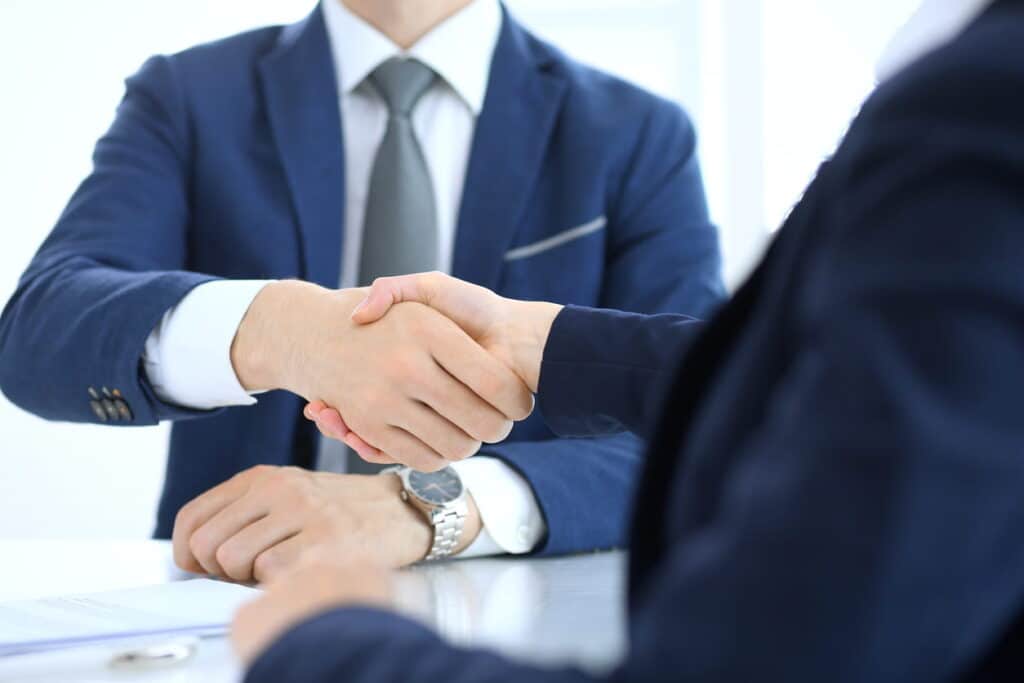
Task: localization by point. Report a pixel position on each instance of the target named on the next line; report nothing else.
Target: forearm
(75, 324)
(359, 644)
(603, 371)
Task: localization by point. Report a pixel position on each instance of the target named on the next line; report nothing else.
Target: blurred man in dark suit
(833, 489)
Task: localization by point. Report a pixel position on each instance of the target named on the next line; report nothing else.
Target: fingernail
(306, 413)
(361, 306)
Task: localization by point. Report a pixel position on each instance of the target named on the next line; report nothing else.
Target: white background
(771, 86)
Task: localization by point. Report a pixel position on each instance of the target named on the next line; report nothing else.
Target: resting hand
(263, 521)
(314, 587)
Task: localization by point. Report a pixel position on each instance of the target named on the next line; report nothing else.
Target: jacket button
(110, 409)
(98, 410)
(123, 410)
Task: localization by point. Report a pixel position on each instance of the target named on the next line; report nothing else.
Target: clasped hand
(511, 332)
(417, 384)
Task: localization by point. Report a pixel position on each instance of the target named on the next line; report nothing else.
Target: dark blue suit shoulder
(602, 103)
(961, 83)
(218, 57)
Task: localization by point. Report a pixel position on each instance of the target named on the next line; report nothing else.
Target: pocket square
(558, 240)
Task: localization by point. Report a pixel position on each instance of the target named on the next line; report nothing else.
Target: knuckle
(184, 519)
(381, 283)
(267, 565)
(378, 402)
(256, 469)
(282, 480)
(430, 282)
(232, 562)
(404, 364)
(200, 546)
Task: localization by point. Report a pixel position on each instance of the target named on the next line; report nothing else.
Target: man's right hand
(415, 385)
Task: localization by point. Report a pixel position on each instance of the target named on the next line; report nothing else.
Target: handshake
(419, 370)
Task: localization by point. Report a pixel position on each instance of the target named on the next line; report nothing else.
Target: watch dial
(436, 488)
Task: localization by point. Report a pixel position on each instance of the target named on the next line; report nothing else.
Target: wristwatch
(442, 498)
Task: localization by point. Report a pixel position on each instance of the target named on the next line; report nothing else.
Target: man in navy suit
(833, 486)
(372, 138)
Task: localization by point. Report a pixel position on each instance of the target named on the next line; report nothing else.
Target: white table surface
(549, 611)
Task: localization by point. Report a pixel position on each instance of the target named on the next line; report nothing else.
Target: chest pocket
(565, 267)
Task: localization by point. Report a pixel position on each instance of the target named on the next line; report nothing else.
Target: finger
(207, 540)
(486, 376)
(366, 451)
(237, 555)
(388, 291)
(198, 511)
(409, 450)
(327, 421)
(454, 401)
(278, 559)
(330, 422)
(458, 405)
(313, 408)
(438, 433)
(327, 431)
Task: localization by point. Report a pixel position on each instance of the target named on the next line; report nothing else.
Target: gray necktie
(400, 228)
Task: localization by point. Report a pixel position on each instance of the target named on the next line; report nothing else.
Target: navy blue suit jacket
(834, 488)
(226, 161)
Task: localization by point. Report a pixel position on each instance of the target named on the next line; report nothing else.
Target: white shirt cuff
(188, 354)
(509, 512)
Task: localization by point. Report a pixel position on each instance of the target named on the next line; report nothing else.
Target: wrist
(258, 350)
(529, 325)
(288, 323)
(414, 534)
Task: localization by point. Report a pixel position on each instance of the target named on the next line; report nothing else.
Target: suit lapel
(301, 96)
(512, 133)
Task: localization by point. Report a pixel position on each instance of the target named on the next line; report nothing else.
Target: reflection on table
(549, 611)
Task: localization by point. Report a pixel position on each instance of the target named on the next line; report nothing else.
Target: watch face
(436, 488)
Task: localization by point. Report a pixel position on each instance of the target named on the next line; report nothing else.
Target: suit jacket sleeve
(111, 267)
(663, 257)
(606, 371)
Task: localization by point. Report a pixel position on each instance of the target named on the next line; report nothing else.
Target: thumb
(388, 291)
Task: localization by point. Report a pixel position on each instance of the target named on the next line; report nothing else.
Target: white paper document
(200, 607)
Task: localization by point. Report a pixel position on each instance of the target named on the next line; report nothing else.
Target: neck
(404, 21)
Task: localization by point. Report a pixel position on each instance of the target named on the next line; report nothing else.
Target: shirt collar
(935, 23)
(459, 49)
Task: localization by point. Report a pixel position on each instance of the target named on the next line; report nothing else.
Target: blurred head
(934, 22)
(404, 21)
(893, 33)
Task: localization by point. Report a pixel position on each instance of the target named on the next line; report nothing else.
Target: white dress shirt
(188, 355)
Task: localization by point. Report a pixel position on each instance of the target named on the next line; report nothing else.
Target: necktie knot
(402, 82)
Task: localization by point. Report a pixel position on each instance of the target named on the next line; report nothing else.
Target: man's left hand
(316, 585)
(263, 520)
